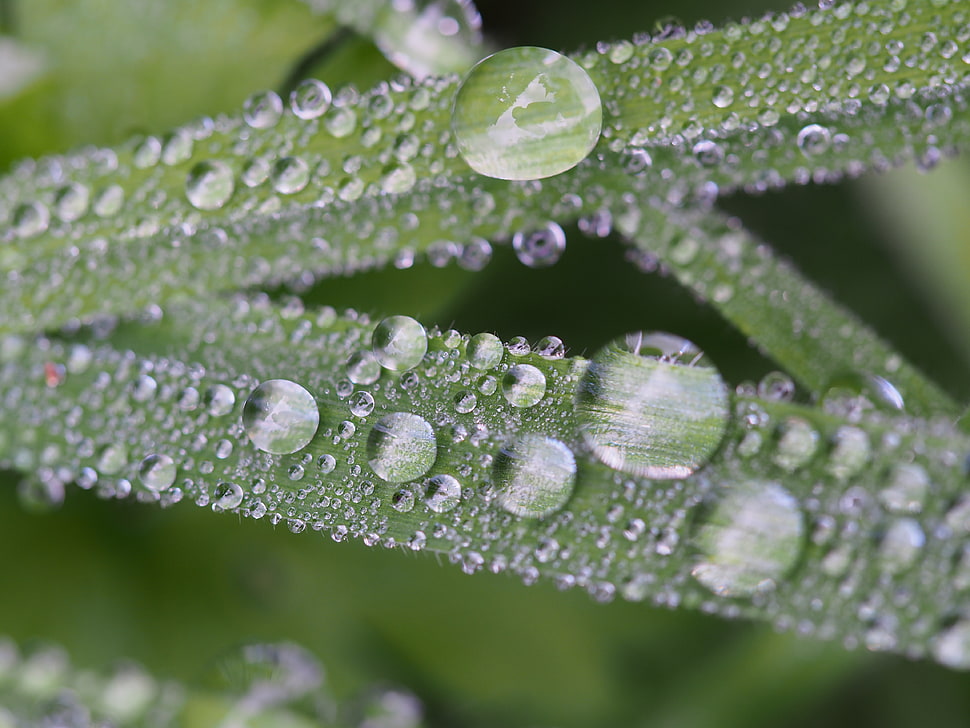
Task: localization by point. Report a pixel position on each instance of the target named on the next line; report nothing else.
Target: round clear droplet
(652, 404)
(443, 493)
(750, 540)
(209, 185)
(290, 175)
(526, 113)
(310, 99)
(280, 417)
(542, 248)
(523, 385)
(263, 110)
(401, 447)
(485, 351)
(157, 472)
(906, 489)
(219, 400)
(400, 343)
(534, 475)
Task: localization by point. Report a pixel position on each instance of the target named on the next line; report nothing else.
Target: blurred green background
(177, 589)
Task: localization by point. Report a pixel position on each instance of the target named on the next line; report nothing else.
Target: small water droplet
(280, 417)
(850, 454)
(813, 140)
(776, 386)
(485, 351)
(290, 175)
(363, 368)
(157, 472)
(361, 404)
(523, 385)
(401, 447)
(906, 488)
(723, 96)
(542, 248)
(534, 475)
(652, 404)
(71, 202)
(797, 444)
(900, 545)
(526, 113)
(219, 400)
(465, 402)
(310, 99)
(550, 347)
(751, 539)
(30, 219)
(443, 493)
(113, 459)
(400, 343)
(209, 185)
(263, 110)
(952, 646)
(109, 201)
(227, 497)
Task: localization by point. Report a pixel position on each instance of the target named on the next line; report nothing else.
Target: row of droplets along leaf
(265, 682)
(847, 523)
(335, 193)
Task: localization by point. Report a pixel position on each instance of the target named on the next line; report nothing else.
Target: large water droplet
(485, 351)
(751, 539)
(443, 493)
(401, 447)
(157, 472)
(310, 99)
(280, 417)
(400, 343)
(534, 475)
(542, 248)
(526, 113)
(523, 385)
(653, 405)
(209, 185)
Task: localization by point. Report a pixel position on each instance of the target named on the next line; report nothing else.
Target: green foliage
(129, 354)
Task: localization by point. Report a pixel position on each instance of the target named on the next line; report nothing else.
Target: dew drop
(523, 385)
(112, 459)
(900, 545)
(30, 219)
(401, 447)
(542, 248)
(797, 444)
(443, 493)
(361, 404)
(723, 96)
(652, 404)
(219, 400)
(485, 351)
(71, 202)
(109, 201)
(534, 475)
(209, 185)
(813, 140)
(952, 647)
(400, 343)
(290, 175)
(850, 454)
(280, 417)
(363, 368)
(526, 113)
(263, 110)
(227, 497)
(310, 99)
(752, 538)
(157, 472)
(465, 402)
(906, 488)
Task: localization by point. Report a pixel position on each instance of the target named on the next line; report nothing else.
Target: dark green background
(177, 589)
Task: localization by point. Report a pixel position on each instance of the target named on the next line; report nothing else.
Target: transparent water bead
(400, 343)
(485, 351)
(900, 545)
(443, 493)
(534, 475)
(280, 417)
(542, 248)
(952, 647)
(310, 99)
(263, 110)
(219, 400)
(906, 489)
(751, 539)
(652, 404)
(209, 185)
(523, 385)
(157, 472)
(401, 447)
(526, 113)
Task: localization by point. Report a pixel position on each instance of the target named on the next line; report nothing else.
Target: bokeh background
(177, 589)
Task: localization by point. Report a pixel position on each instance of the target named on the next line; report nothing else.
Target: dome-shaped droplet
(523, 385)
(542, 248)
(219, 400)
(851, 451)
(534, 475)
(310, 99)
(363, 368)
(263, 110)
(30, 219)
(443, 493)
(751, 538)
(653, 405)
(952, 646)
(280, 417)
(526, 113)
(813, 139)
(400, 343)
(157, 472)
(401, 447)
(901, 545)
(109, 201)
(290, 175)
(227, 497)
(209, 185)
(361, 404)
(485, 351)
(71, 202)
(906, 488)
(797, 444)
